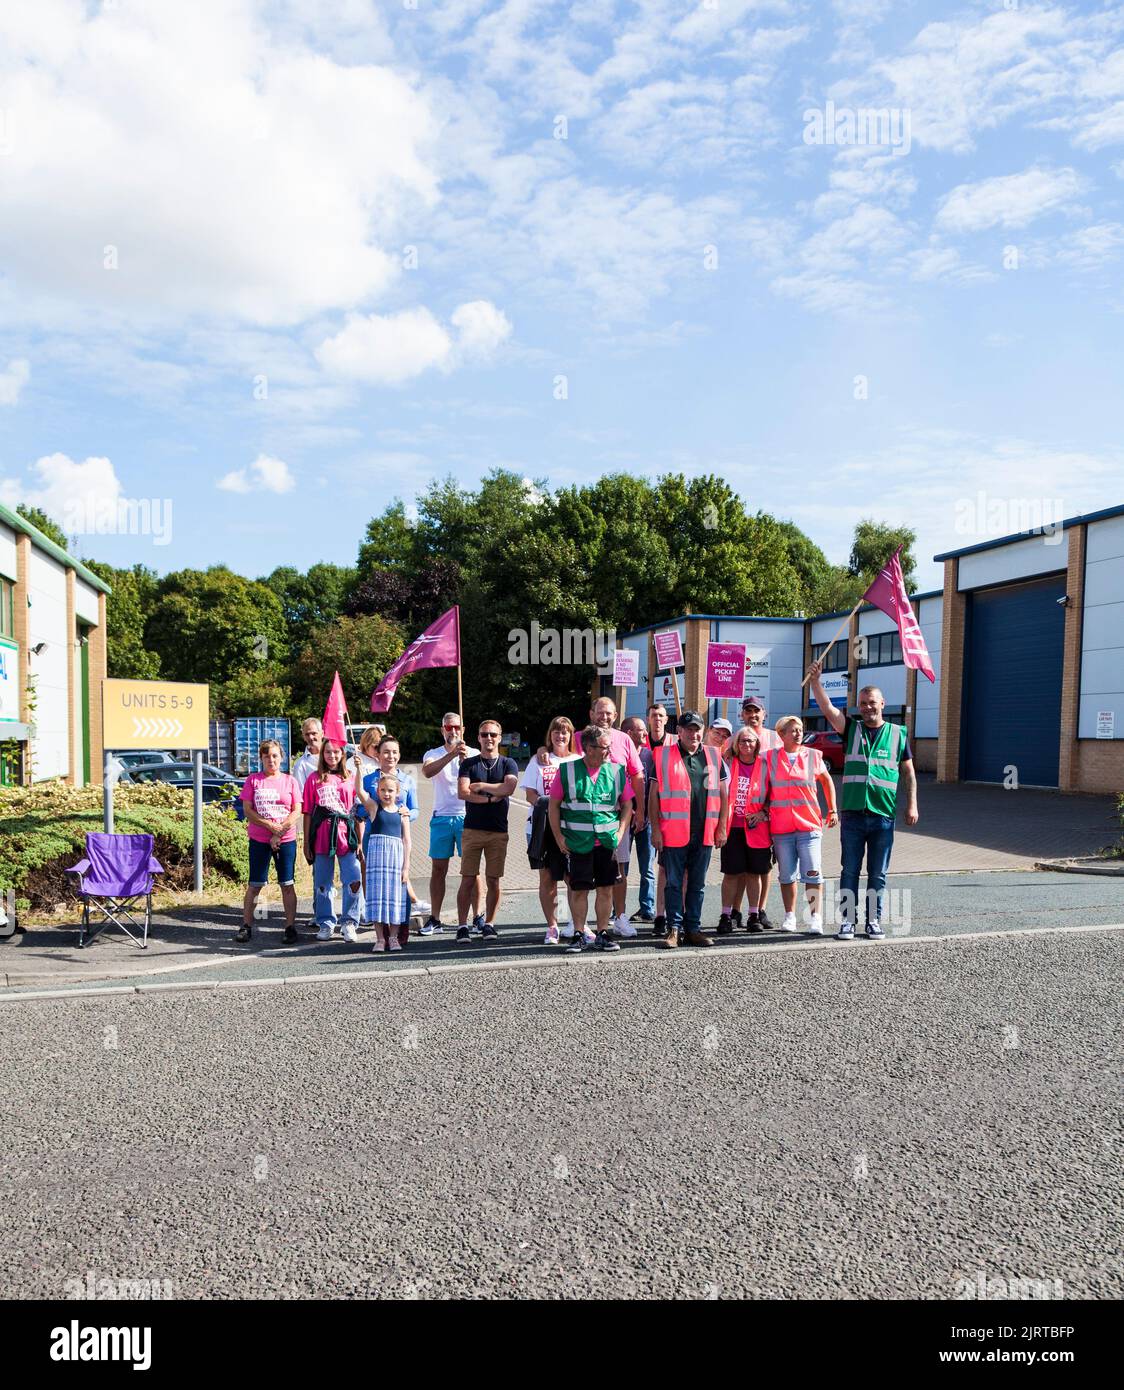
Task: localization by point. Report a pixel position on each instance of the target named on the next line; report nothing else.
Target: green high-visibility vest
(870, 768)
(590, 805)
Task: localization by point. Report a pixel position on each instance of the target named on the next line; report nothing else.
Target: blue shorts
(799, 848)
(283, 858)
(445, 836)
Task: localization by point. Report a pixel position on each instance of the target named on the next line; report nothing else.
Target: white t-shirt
(539, 777)
(446, 802)
(304, 767)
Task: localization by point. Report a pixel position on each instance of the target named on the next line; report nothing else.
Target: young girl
(330, 834)
(388, 864)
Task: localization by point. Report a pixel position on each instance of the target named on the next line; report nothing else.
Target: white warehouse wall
(1020, 560)
(785, 643)
(928, 698)
(1102, 637)
(47, 623)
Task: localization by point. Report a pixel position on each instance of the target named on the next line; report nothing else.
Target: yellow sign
(154, 714)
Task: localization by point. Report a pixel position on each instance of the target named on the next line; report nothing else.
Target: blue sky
(277, 263)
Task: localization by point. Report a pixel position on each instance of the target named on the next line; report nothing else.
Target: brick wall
(952, 676)
(694, 682)
(925, 754)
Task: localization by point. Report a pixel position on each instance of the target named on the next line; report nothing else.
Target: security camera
(39, 649)
(1062, 601)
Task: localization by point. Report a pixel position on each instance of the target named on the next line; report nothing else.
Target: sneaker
(763, 921)
(813, 924)
(429, 926)
(325, 933)
(725, 924)
(789, 923)
(489, 934)
(754, 923)
(290, 937)
(659, 927)
(478, 924)
(418, 906)
(604, 942)
(394, 944)
(464, 936)
(551, 937)
(588, 937)
(576, 947)
(641, 916)
(874, 932)
(622, 926)
(846, 932)
(565, 930)
(349, 932)
(245, 933)
(736, 918)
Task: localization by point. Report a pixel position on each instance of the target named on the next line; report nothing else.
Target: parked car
(830, 745)
(130, 760)
(218, 785)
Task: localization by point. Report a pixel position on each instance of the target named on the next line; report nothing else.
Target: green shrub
(43, 831)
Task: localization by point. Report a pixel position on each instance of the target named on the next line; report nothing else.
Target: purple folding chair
(117, 872)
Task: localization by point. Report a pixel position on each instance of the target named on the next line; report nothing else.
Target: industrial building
(52, 659)
(1026, 640)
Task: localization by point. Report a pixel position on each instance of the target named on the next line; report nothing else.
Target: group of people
(595, 794)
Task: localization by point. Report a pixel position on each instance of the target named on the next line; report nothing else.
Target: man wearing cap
(753, 718)
(687, 809)
(876, 760)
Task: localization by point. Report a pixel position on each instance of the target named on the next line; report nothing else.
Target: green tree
(39, 518)
(874, 543)
(209, 625)
(256, 692)
(134, 593)
(309, 601)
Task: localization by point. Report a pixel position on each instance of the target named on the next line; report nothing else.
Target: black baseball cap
(690, 716)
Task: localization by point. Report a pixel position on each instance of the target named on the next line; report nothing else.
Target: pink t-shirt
(273, 798)
(747, 794)
(336, 794)
(621, 750)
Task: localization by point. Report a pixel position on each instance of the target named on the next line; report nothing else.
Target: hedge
(43, 831)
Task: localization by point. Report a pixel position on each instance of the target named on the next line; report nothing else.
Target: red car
(830, 745)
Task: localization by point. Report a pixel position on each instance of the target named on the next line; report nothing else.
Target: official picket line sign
(156, 714)
(725, 670)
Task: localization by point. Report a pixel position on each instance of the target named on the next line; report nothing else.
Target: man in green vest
(590, 808)
(876, 762)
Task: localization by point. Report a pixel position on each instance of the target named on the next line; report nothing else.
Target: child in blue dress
(388, 864)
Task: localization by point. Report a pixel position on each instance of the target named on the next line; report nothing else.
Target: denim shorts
(798, 846)
(445, 833)
(283, 858)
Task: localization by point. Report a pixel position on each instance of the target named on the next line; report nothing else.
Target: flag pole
(460, 689)
(823, 655)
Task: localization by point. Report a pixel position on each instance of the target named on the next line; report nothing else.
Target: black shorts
(552, 858)
(740, 858)
(598, 869)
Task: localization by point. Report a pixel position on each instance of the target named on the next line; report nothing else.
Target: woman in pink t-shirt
(747, 855)
(272, 805)
(329, 834)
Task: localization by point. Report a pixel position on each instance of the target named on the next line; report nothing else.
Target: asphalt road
(886, 1121)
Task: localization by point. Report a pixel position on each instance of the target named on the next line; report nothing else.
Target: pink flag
(439, 645)
(888, 593)
(335, 714)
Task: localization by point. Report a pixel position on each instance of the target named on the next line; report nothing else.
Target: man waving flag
(439, 645)
(888, 593)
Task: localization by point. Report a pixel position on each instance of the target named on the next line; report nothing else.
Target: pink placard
(626, 667)
(725, 670)
(669, 650)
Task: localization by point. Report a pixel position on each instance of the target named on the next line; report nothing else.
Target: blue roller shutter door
(1013, 682)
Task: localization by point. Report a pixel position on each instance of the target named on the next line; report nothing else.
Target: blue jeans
(685, 863)
(646, 864)
(861, 833)
(323, 877)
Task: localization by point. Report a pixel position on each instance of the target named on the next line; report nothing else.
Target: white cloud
(13, 379)
(1011, 200)
(236, 176)
(68, 491)
(265, 474)
(388, 349)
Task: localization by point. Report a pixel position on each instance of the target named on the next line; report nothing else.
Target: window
(837, 657)
(7, 608)
(883, 649)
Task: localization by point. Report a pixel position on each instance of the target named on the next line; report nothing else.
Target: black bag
(540, 829)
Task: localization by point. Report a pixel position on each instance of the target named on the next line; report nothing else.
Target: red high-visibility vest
(793, 802)
(754, 801)
(674, 783)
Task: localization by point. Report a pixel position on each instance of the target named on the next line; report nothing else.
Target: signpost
(626, 673)
(835, 687)
(725, 671)
(669, 656)
(1106, 723)
(156, 714)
